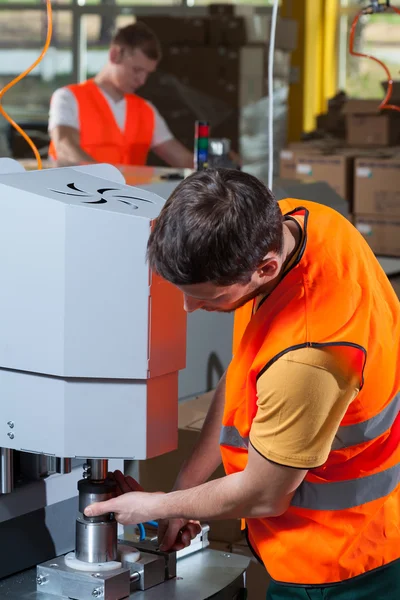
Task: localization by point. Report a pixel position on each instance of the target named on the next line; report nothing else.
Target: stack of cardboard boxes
(159, 474)
(364, 167)
(215, 66)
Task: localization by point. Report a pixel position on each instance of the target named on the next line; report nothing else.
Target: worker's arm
(206, 456)
(175, 534)
(263, 489)
(175, 154)
(66, 142)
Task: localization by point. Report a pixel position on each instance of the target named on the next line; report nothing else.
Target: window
(377, 35)
(20, 46)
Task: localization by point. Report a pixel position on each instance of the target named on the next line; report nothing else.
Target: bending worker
(307, 415)
(103, 120)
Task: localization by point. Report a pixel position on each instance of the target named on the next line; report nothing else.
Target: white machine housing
(91, 342)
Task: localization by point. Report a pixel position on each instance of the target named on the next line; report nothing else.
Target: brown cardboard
(224, 10)
(178, 30)
(395, 97)
(334, 169)
(367, 126)
(287, 165)
(372, 130)
(377, 186)
(382, 233)
(235, 76)
(227, 31)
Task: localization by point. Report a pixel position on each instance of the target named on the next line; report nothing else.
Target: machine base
(200, 576)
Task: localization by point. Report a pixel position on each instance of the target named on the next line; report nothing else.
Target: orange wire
(17, 79)
(384, 104)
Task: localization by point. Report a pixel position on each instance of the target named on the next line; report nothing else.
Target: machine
(91, 347)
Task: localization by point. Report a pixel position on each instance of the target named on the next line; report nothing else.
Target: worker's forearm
(206, 456)
(225, 498)
(70, 153)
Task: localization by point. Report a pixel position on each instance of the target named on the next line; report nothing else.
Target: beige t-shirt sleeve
(302, 398)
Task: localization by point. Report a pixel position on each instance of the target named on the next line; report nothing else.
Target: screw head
(11, 435)
(41, 579)
(97, 592)
(10, 424)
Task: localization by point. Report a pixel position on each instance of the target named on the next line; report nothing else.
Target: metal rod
(6, 471)
(64, 466)
(98, 469)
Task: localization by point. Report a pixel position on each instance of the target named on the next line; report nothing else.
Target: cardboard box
(235, 76)
(381, 233)
(377, 186)
(334, 169)
(367, 126)
(227, 31)
(288, 156)
(222, 10)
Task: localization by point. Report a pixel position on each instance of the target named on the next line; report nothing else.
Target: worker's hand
(176, 534)
(125, 483)
(129, 508)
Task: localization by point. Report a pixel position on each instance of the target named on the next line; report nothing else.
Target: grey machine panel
(205, 574)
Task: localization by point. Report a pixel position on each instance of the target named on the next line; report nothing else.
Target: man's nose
(191, 304)
(143, 78)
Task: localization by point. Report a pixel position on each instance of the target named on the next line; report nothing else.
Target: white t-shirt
(64, 111)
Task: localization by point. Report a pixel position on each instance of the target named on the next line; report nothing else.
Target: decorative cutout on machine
(102, 200)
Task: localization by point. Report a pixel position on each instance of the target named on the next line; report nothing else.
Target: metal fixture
(6, 471)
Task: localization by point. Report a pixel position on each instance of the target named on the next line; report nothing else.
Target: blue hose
(152, 523)
(142, 531)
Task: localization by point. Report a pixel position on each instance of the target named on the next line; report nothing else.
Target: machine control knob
(97, 592)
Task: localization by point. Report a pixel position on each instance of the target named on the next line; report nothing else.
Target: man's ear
(269, 267)
(115, 55)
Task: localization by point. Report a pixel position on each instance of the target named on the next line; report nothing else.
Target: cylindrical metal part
(92, 491)
(96, 542)
(6, 471)
(98, 469)
(64, 466)
(87, 498)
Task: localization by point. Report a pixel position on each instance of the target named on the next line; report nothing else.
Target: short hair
(139, 35)
(217, 226)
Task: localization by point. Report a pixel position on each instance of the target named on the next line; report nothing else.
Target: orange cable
(384, 104)
(17, 79)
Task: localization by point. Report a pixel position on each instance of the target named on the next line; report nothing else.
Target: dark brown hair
(217, 226)
(139, 35)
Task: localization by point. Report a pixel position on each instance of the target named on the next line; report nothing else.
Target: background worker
(307, 414)
(103, 120)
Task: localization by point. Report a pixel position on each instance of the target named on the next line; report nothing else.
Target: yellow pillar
(313, 61)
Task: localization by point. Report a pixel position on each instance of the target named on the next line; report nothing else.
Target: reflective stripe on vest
(339, 495)
(351, 435)
(231, 437)
(346, 435)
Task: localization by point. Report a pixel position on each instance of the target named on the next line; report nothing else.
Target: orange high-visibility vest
(344, 519)
(100, 135)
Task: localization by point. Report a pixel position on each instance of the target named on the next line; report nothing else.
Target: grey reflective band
(339, 495)
(231, 437)
(351, 435)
